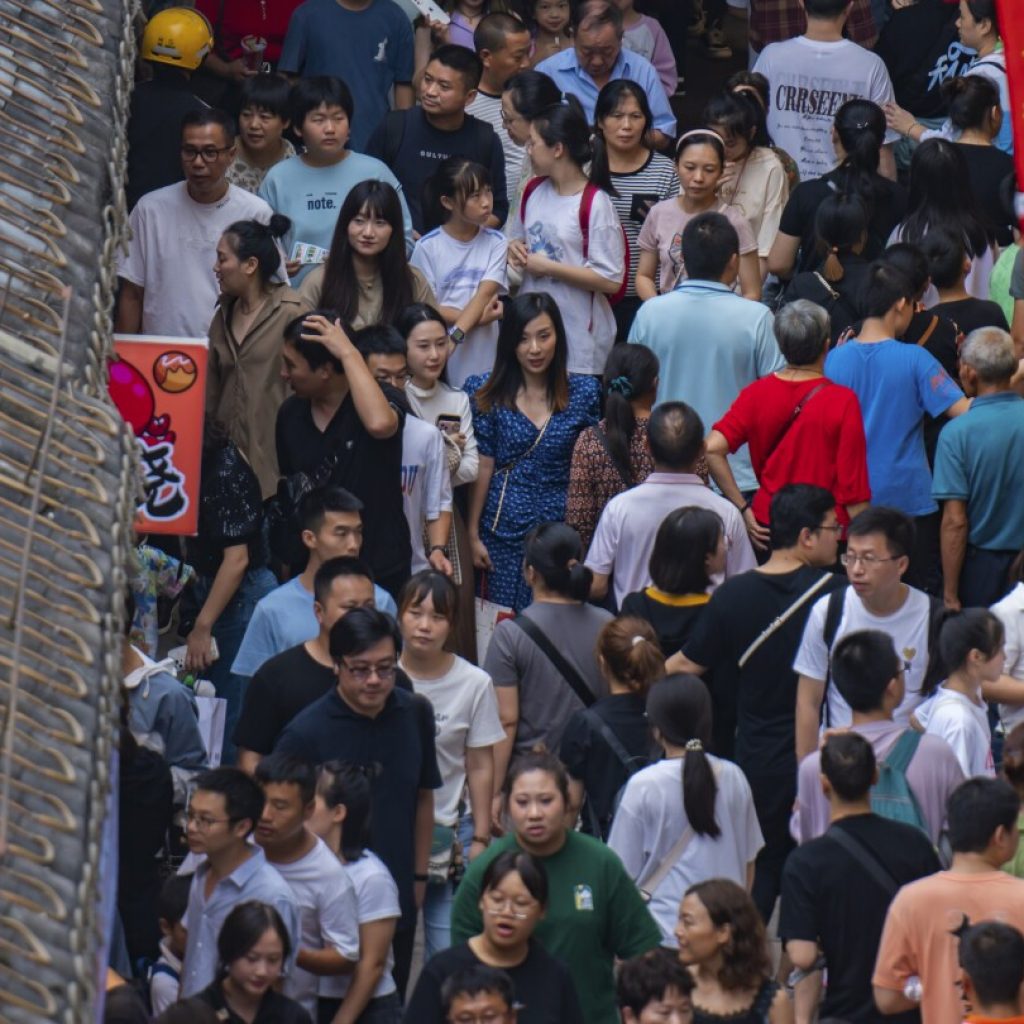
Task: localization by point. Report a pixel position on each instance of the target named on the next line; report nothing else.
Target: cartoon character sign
(158, 385)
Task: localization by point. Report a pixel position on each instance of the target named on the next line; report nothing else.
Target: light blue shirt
(312, 198)
(978, 461)
(253, 880)
(711, 344)
(284, 619)
(565, 70)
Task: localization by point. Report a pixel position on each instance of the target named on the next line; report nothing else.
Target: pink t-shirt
(662, 233)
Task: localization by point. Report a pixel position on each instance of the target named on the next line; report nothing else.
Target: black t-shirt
(369, 467)
(845, 309)
(890, 204)
(988, 167)
(969, 314)
(544, 988)
(283, 686)
(589, 758)
(274, 1008)
(764, 690)
(921, 50)
(400, 740)
(674, 624)
(829, 897)
(413, 148)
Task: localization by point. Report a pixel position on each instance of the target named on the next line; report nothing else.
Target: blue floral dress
(534, 482)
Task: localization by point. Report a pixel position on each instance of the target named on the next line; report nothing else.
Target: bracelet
(420, 878)
(483, 840)
(744, 508)
(438, 547)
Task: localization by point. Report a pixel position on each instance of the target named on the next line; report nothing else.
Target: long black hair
(608, 100)
(531, 92)
(340, 285)
(631, 372)
(841, 225)
(739, 112)
(941, 196)
(565, 122)
(501, 388)
(860, 125)
(456, 178)
(679, 707)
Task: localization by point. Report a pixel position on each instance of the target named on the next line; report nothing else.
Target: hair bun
(279, 225)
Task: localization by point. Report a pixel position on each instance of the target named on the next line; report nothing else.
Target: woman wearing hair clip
(689, 817)
(700, 162)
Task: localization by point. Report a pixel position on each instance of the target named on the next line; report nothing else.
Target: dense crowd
(610, 558)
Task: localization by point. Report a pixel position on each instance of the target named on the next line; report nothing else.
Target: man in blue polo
(979, 475)
(597, 57)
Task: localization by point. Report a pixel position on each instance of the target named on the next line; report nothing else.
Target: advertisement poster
(159, 387)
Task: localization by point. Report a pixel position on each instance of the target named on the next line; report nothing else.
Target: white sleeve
(606, 249)
(627, 835)
(437, 484)
(601, 555)
(740, 556)
(881, 92)
(420, 259)
(753, 837)
(497, 262)
(132, 266)
(812, 655)
(485, 728)
(339, 916)
(469, 467)
(163, 991)
(378, 897)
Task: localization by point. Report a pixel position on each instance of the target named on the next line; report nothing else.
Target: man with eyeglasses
(168, 286)
(367, 721)
(479, 995)
(225, 808)
(879, 542)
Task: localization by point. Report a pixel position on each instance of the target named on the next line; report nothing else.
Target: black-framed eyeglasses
(206, 153)
(363, 673)
(851, 558)
(836, 528)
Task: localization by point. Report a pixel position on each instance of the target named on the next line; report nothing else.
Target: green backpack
(891, 796)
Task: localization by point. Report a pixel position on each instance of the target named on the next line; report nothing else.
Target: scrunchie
(695, 746)
(621, 386)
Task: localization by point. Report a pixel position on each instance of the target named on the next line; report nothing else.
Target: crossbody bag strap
(879, 873)
(564, 668)
(602, 437)
(793, 416)
(649, 885)
(625, 758)
(929, 330)
(779, 621)
(506, 470)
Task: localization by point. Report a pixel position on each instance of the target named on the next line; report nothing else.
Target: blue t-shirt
(370, 50)
(978, 461)
(283, 619)
(897, 385)
(312, 197)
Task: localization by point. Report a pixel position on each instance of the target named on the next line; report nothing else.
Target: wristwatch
(438, 547)
(457, 334)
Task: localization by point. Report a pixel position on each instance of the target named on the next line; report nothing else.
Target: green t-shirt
(1015, 867)
(594, 915)
(999, 283)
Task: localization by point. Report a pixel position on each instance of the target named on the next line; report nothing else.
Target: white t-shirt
(465, 715)
(552, 228)
(1010, 611)
(444, 400)
(809, 82)
(329, 918)
(963, 724)
(172, 252)
(454, 270)
(377, 899)
(426, 483)
(488, 108)
(649, 822)
(908, 628)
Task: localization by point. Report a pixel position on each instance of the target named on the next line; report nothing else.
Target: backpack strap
(929, 330)
(600, 725)
(876, 870)
(563, 667)
(586, 203)
(394, 133)
(528, 189)
(833, 615)
(903, 751)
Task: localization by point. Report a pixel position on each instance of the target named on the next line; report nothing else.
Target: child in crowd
(655, 988)
(465, 16)
(549, 22)
(971, 644)
(262, 121)
(644, 35)
(463, 261)
(165, 974)
(992, 960)
(479, 993)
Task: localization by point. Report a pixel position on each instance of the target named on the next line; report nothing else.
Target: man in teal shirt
(979, 475)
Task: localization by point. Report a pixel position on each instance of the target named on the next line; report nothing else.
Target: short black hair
(709, 242)
(282, 768)
(863, 664)
(685, 539)
(992, 956)
(896, 526)
(590, 14)
(173, 900)
(884, 286)
(315, 353)
(334, 568)
(976, 808)
(211, 115)
(493, 31)
(344, 782)
(379, 340)
(318, 502)
(675, 433)
(460, 59)
(945, 252)
(243, 798)
(797, 507)
(360, 630)
(825, 8)
(309, 93)
(643, 979)
(848, 762)
(471, 981)
(531, 870)
(269, 92)
(908, 259)
(243, 928)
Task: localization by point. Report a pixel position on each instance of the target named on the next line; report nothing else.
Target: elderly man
(597, 58)
(979, 476)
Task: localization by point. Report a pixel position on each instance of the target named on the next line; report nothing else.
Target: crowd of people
(611, 543)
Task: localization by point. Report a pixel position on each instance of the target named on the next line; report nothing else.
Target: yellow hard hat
(179, 36)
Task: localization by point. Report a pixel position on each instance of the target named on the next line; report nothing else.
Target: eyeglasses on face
(362, 673)
(207, 153)
(867, 560)
(204, 822)
(496, 904)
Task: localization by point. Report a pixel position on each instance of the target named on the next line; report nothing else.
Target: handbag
(442, 850)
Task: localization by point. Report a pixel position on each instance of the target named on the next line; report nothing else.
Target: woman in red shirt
(801, 428)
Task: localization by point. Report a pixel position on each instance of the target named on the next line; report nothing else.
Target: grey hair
(802, 330)
(990, 353)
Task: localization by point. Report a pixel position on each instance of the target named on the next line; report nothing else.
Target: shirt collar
(619, 70)
(243, 874)
(673, 479)
(999, 396)
(696, 286)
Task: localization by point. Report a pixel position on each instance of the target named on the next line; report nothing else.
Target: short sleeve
(606, 249)
(897, 958)
(950, 474)
(852, 481)
(425, 1002)
(812, 655)
(497, 262)
(231, 503)
(748, 243)
(776, 191)
(601, 556)
(881, 92)
(485, 728)
(378, 898)
(791, 222)
(401, 50)
(133, 266)
(797, 919)
(735, 425)
(339, 920)
(766, 348)
(647, 239)
(626, 838)
(497, 169)
(500, 661)
(257, 645)
(422, 261)
(706, 646)
(485, 424)
(935, 389)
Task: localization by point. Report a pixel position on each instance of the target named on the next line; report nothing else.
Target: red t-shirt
(825, 446)
(266, 18)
